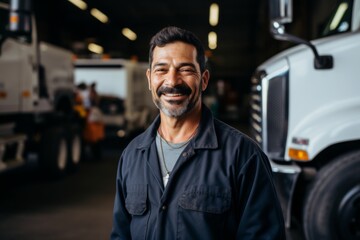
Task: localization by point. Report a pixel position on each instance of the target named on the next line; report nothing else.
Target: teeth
(173, 94)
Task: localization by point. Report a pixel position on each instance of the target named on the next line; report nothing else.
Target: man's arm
(259, 209)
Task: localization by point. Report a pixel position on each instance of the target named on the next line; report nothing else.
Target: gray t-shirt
(171, 152)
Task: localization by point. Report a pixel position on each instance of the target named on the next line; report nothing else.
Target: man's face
(175, 80)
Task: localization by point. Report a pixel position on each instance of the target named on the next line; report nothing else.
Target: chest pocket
(135, 201)
(209, 199)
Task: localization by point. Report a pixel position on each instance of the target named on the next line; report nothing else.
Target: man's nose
(173, 77)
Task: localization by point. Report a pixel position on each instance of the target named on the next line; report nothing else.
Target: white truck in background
(305, 114)
(37, 120)
(124, 98)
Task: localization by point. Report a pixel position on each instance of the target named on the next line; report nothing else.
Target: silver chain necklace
(175, 146)
(166, 178)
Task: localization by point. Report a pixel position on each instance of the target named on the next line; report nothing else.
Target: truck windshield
(340, 20)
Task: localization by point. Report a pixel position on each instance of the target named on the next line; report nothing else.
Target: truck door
(17, 68)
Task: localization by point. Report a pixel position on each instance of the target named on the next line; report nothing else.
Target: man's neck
(177, 130)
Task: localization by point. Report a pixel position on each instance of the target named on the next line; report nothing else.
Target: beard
(177, 108)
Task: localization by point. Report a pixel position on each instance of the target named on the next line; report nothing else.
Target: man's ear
(148, 75)
(205, 79)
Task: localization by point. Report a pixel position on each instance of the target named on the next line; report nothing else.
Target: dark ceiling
(243, 37)
(240, 25)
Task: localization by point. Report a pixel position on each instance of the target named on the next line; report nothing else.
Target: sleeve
(121, 218)
(260, 215)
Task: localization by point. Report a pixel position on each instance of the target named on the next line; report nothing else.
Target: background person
(93, 95)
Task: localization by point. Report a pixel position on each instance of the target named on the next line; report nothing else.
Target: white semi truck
(125, 98)
(37, 120)
(305, 114)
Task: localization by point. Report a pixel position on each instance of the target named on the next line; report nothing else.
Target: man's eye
(187, 70)
(160, 70)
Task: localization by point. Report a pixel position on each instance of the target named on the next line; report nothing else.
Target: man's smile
(174, 92)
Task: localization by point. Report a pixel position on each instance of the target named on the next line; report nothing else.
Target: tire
(332, 205)
(54, 152)
(74, 147)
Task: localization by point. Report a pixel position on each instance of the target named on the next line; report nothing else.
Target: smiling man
(189, 175)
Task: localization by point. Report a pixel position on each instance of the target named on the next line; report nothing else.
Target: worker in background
(79, 106)
(189, 175)
(94, 133)
(93, 130)
(93, 95)
(84, 93)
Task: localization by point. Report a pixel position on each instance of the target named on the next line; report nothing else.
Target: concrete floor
(78, 206)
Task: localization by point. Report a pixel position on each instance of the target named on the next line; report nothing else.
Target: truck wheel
(54, 152)
(332, 206)
(74, 147)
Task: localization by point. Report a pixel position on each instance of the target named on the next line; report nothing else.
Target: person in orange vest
(94, 132)
(79, 106)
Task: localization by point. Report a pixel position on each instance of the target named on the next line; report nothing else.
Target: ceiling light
(79, 3)
(129, 34)
(214, 14)
(339, 15)
(95, 48)
(212, 39)
(99, 15)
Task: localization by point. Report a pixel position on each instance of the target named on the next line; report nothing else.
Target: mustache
(178, 89)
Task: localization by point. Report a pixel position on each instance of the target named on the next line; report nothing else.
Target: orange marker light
(298, 154)
(14, 19)
(26, 94)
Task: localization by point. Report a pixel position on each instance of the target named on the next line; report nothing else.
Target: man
(190, 176)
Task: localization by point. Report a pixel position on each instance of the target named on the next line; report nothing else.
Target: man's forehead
(177, 51)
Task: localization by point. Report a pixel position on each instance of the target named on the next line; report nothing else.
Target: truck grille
(256, 109)
(269, 112)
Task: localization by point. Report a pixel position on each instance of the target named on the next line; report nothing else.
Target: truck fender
(327, 126)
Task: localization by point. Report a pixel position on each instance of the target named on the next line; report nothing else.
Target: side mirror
(20, 18)
(280, 14)
(280, 11)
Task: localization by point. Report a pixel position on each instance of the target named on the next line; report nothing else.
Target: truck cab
(305, 114)
(37, 93)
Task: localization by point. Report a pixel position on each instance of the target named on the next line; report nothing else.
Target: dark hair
(173, 34)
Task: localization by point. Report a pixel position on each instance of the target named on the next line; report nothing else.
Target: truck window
(4, 25)
(340, 19)
(4, 19)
